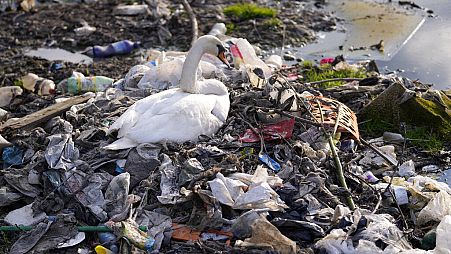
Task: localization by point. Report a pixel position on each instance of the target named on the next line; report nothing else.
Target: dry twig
(192, 16)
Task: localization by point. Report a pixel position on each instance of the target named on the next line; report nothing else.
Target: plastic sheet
(159, 226)
(12, 156)
(117, 193)
(61, 152)
(168, 182)
(24, 216)
(407, 169)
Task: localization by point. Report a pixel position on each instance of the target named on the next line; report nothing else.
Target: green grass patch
(249, 11)
(272, 22)
(375, 128)
(18, 82)
(314, 73)
(230, 27)
(425, 139)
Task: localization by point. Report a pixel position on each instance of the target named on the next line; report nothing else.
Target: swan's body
(179, 114)
(168, 73)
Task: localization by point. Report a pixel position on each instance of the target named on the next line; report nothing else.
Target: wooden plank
(42, 116)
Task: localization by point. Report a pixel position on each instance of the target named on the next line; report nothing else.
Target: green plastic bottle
(78, 85)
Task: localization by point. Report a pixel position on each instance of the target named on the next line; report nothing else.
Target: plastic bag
(266, 235)
(226, 190)
(168, 182)
(443, 243)
(436, 209)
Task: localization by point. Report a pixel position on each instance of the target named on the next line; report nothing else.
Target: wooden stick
(42, 116)
(192, 16)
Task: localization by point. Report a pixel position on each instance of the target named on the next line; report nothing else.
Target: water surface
(415, 44)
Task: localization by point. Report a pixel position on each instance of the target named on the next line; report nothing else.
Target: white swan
(178, 114)
(168, 72)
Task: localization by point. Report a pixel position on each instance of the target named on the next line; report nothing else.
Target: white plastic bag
(436, 209)
(443, 243)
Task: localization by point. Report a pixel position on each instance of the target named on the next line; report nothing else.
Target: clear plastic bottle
(117, 48)
(85, 30)
(78, 84)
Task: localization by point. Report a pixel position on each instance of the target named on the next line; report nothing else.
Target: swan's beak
(223, 59)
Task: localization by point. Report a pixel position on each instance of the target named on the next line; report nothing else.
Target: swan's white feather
(178, 114)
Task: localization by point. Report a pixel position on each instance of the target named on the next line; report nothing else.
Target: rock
(407, 169)
(289, 57)
(398, 104)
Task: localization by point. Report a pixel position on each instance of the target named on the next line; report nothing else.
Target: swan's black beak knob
(221, 55)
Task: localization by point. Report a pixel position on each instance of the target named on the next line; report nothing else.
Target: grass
(421, 137)
(375, 128)
(313, 73)
(247, 11)
(424, 138)
(18, 82)
(230, 27)
(272, 22)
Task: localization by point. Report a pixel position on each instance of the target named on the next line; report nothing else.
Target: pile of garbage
(289, 171)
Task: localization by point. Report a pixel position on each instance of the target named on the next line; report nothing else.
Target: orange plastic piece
(186, 233)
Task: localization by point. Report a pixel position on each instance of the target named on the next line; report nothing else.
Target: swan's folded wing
(179, 118)
(129, 118)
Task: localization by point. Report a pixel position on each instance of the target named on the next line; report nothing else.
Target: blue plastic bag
(272, 164)
(12, 156)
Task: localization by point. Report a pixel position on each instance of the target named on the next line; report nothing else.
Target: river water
(415, 44)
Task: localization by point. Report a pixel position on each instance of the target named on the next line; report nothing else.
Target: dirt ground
(53, 24)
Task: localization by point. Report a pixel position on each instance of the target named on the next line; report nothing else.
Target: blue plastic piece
(153, 63)
(108, 240)
(12, 156)
(119, 170)
(272, 164)
(56, 66)
(149, 244)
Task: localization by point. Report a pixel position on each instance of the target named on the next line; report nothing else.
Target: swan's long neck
(188, 81)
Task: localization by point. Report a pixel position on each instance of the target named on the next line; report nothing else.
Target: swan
(178, 114)
(167, 73)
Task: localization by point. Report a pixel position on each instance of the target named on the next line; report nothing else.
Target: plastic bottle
(108, 240)
(38, 85)
(85, 30)
(131, 10)
(78, 83)
(117, 48)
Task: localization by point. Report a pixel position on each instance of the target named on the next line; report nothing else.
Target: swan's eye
(221, 49)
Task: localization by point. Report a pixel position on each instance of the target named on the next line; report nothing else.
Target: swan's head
(213, 46)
